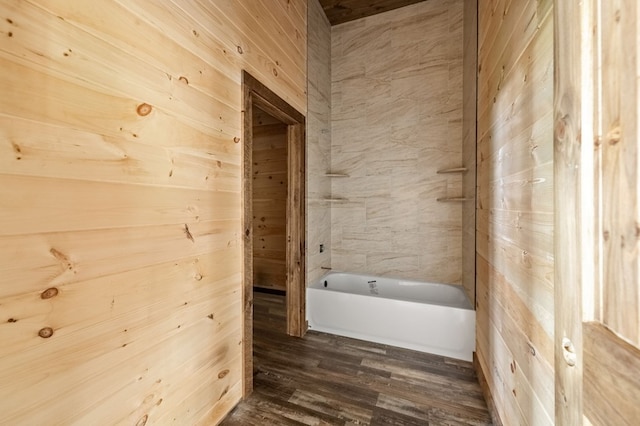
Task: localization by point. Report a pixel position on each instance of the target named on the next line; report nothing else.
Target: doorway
(291, 275)
(270, 181)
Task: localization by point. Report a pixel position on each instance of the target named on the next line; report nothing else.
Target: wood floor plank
(324, 379)
(335, 406)
(384, 417)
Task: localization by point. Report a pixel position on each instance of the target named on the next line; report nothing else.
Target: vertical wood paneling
(396, 120)
(613, 341)
(596, 141)
(270, 183)
(120, 219)
(620, 136)
(572, 90)
(515, 266)
(318, 143)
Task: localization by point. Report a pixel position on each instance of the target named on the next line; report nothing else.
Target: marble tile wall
(318, 142)
(396, 119)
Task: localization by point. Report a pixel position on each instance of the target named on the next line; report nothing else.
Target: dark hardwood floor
(330, 380)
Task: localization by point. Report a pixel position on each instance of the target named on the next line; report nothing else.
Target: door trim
(257, 94)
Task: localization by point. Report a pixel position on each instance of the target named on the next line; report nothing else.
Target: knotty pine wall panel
(120, 179)
(396, 120)
(318, 144)
(620, 111)
(270, 184)
(514, 235)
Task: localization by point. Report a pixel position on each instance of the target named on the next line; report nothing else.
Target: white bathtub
(426, 317)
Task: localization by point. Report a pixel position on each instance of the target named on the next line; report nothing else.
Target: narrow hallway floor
(323, 379)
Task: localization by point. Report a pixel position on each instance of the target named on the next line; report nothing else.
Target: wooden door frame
(259, 95)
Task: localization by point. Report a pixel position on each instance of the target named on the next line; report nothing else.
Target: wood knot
(143, 420)
(236, 139)
(184, 79)
(561, 128)
(223, 373)
(188, 233)
(275, 72)
(12, 320)
(224, 392)
(240, 51)
(45, 332)
(198, 277)
(210, 316)
(614, 135)
(531, 349)
(63, 259)
(144, 109)
(17, 150)
(49, 293)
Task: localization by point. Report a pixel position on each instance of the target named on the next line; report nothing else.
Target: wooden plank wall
(611, 339)
(318, 143)
(597, 303)
(341, 11)
(396, 120)
(469, 105)
(619, 134)
(574, 200)
(120, 233)
(515, 264)
(269, 201)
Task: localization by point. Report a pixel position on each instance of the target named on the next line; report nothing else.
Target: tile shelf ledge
(453, 170)
(453, 199)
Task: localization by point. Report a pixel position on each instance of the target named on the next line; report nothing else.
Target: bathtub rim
(317, 285)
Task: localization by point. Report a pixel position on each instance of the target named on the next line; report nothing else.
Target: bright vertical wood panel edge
(568, 237)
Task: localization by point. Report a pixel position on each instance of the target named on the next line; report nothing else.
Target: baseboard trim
(484, 385)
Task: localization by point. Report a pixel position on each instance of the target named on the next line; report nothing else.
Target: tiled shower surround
(396, 119)
(318, 142)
